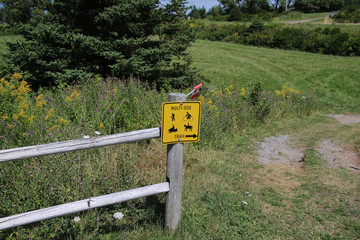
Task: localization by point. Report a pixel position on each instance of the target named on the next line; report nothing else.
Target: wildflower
(242, 92)
(98, 219)
(31, 118)
(50, 113)
(118, 215)
(16, 76)
(101, 125)
(244, 202)
(73, 96)
(77, 219)
(40, 100)
(24, 104)
(63, 121)
(97, 132)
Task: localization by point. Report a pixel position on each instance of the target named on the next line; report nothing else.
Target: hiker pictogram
(173, 129)
(188, 127)
(173, 117)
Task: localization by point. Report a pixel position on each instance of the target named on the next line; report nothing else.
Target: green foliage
(232, 110)
(348, 14)
(318, 5)
(17, 11)
(6, 30)
(320, 40)
(78, 39)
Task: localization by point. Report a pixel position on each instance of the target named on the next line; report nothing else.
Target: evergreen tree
(75, 39)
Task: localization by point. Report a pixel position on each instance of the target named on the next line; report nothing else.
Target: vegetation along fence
(173, 185)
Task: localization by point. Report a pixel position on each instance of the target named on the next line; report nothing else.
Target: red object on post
(196, 91)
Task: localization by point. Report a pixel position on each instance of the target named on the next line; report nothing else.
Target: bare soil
(288, 150)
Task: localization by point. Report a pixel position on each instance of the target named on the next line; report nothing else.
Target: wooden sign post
(174, 171)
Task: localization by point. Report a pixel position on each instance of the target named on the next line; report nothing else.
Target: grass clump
(231, 110)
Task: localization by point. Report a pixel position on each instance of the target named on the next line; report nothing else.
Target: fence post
(174, 170)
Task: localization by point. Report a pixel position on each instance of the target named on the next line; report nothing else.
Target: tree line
(233, 10)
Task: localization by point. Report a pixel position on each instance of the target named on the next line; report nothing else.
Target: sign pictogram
(180, 122)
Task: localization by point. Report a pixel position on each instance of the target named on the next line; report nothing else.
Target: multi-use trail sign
(180, 122)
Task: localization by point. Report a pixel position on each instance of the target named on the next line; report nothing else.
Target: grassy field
(333, 81)
(294, 16)
(227, 192)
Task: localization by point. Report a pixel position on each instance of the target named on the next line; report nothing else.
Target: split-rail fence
(172, 186)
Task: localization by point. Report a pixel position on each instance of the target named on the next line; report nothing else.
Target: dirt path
(289, 150)
(303, 21)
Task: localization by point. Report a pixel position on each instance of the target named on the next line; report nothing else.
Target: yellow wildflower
(101, 125)
(3, 81)
(4, 117)
(63, 121)
(242, 92)
(54, 127)
(49, 114)
(22, 113)
(73, 96)
(40, 100)
(16, 76)
(24, 104)
(15, 117)
(10, 126)
(31, 119)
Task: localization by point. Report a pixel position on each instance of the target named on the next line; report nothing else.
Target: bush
(320, 40)
(348, 14)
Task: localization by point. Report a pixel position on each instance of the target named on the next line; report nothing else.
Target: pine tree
(76, 39)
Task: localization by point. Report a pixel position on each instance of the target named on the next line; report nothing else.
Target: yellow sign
(180, 122)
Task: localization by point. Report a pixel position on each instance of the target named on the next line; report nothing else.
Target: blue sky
(200, 3)
(206, 3)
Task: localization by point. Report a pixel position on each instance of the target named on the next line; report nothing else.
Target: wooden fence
(172, 186)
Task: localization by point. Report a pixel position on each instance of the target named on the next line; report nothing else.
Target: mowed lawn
(333, 81)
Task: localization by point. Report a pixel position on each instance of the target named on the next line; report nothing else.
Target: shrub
(348, 14)
(320, 40)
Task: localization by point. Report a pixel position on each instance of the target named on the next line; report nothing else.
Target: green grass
(294, 16)
(331, 80)
(227, 193)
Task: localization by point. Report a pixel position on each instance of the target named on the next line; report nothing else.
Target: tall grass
(98, 106)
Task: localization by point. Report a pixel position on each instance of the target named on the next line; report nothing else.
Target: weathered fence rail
(75, 145)
(173, 186)
(82, 205)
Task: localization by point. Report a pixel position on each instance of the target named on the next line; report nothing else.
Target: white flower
(86, 136)
(97, 132)
(77, 219)
(118, 215)
(244, 202)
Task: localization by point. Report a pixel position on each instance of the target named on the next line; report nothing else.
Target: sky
(200, 3)
(206, 3)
